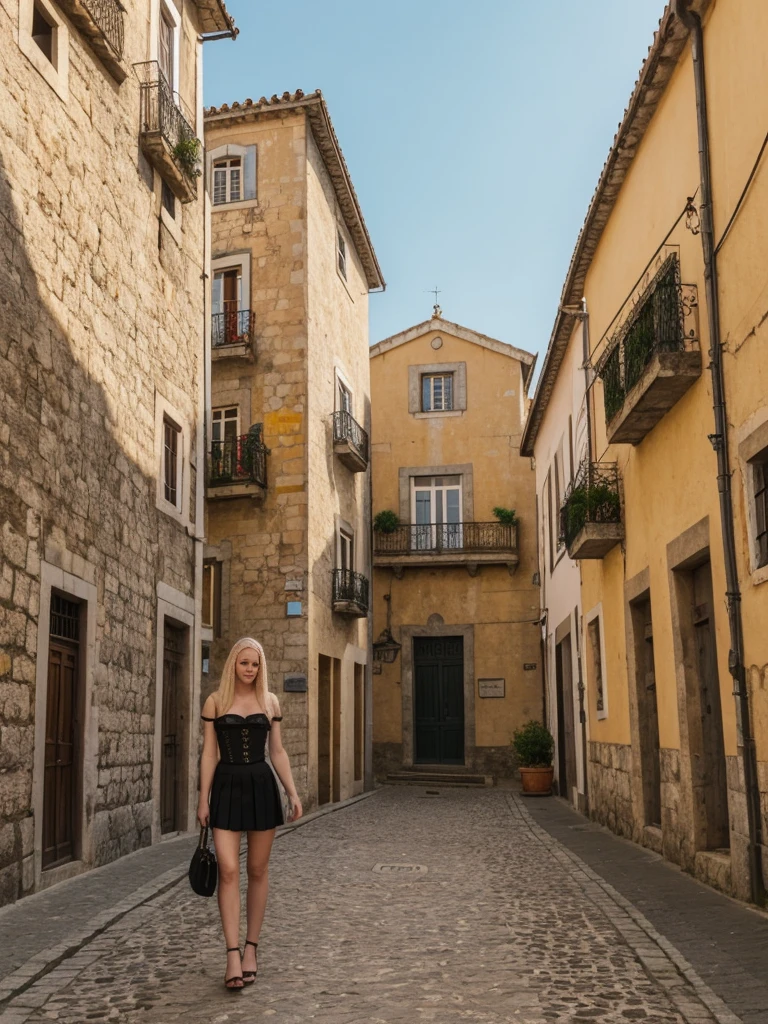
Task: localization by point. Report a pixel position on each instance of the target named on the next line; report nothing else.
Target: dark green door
(439, 699)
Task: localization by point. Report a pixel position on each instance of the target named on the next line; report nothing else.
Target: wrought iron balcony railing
(102, 23)
(593, 497)
(440, 538)
(347, 430)
(350, 592)
(238, 460)
(664, 319)
(168, 138)
(232, 327)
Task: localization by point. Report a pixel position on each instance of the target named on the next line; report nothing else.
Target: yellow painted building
(288, 478)
(454, 587)
(668, 766)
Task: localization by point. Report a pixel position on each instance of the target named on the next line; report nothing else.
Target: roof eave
(327, 142)
(214, 17)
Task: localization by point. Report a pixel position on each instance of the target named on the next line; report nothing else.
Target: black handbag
(203, 870)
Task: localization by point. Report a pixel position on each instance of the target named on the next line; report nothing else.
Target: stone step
(439, 778)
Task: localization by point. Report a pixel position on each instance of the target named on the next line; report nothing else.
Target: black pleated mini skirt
(245, 798)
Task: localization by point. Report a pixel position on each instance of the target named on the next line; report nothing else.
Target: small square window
(168, 200)
(341, 246)
(43, 32)
(437, 392)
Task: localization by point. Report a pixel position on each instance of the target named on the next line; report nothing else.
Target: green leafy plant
(598, 504)
(186, 153)
(534, 745)
(386, 521)
(507, 516)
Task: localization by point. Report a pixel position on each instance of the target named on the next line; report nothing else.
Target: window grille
(65, 618)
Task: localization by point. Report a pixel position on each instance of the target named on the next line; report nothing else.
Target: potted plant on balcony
(506, 516)
(534, 746)
(597, 504)
(186, 153)
(386, 521)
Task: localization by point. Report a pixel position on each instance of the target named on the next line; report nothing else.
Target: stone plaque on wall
(490, 687)
(294, 684)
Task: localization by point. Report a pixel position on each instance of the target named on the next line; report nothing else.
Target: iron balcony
(466, 544)
(237, 467)
(167, 137)
(350, 593)
(101, 22)
(590, 518)
(350, 441)
(232, 332)
(653, 358)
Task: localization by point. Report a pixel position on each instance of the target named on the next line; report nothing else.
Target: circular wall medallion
(437, 343)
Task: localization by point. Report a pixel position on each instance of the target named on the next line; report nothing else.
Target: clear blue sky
(474, 132)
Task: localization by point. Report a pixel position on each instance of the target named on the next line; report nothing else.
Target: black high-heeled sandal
(235, 977)
(250, 976)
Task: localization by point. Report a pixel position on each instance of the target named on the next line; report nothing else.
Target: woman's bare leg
(228, 859)
(259, 849)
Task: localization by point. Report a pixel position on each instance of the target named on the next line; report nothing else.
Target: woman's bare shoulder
(209, 708)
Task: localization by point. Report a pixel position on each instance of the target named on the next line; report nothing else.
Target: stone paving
(503, 925)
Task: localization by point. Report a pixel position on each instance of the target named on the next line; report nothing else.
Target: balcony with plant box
(167, 137)
(398, 545)
(590, 518)
(101, 22)
(653, 358)
(232, 334)
(237, 466)
(350, 441)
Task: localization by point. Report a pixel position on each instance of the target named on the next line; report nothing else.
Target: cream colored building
(453, 587)
(102, 345)
(674, 639)
(288, 507)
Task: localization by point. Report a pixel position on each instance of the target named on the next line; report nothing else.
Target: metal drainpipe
(692, 21)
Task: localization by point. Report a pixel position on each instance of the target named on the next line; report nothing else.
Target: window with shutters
(166, 46)
(596, 660)
(171, 461)
(232, 171)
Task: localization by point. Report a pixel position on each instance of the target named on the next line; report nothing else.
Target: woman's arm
(208, 761)
(282, 766)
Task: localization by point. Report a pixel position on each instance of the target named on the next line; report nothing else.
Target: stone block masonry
(101, 316)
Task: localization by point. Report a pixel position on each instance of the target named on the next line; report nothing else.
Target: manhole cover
(400, 869)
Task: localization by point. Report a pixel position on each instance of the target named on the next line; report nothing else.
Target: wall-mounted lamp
(386, 648)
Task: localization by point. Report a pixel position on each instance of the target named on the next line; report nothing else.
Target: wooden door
(712, 773)
(61, 733)
(171, 767)
(649, 724)
(438, 700)
(566, 738)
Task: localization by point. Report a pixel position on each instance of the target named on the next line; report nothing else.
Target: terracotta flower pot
(537, 781)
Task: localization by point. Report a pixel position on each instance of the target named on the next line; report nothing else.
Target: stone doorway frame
(435, 629)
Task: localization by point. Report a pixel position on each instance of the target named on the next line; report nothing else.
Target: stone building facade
(101, 429)
(288, 509)
(454, 587)
(675, 762)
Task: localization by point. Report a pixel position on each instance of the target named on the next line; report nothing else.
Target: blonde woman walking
(238, 793)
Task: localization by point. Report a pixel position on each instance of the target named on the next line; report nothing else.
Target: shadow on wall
(66, 480)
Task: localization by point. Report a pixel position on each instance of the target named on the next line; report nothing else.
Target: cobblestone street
(497, 922)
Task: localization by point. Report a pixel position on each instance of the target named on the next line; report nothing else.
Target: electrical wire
(743, 195)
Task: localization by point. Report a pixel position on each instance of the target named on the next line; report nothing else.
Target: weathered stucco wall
(498, 610)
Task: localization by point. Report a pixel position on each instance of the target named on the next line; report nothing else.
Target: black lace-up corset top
(242, 740)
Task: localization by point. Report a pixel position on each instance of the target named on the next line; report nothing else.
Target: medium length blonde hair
(225, 694)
